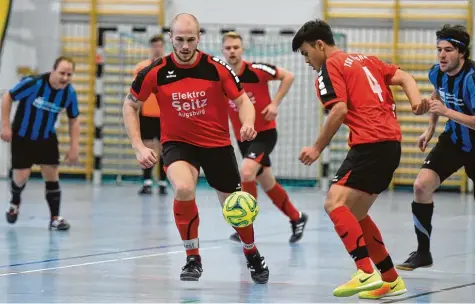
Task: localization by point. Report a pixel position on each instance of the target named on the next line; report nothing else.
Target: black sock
(16, 193)
(53, 197)
(422, 214)
(162, 174)
(147, 173)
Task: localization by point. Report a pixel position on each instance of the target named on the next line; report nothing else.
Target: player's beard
(179, 56)
(452, 67)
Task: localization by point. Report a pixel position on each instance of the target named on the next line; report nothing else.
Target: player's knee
(423, 186)
(20, 177)
(330, 204)
(266, 181)
(184, 191)
(248, 173)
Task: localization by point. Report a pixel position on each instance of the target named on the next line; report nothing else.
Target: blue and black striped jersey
(39, 105)
(457, 92)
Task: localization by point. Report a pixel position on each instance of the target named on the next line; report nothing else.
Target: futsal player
(256, 165)
(354, 87)
(149, 117)
(193, 89)
(453, 98)
(33, 135)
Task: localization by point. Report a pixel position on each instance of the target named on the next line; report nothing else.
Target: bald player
(193, 89)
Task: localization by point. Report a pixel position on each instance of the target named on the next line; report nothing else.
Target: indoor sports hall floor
(125, 248)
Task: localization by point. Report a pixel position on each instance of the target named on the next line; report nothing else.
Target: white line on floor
(103, 261)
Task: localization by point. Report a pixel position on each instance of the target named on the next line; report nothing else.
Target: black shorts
(218, 164)
(446, 158)
(26, 152)
(149, 127)
(260, 148)
(369, 167)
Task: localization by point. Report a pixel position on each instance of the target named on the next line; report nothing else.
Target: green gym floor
(126, 248)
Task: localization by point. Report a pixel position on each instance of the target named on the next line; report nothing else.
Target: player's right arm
(21, 90)
(144, 85)
(331, 90)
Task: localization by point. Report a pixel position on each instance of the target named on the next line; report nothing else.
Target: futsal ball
(240, 209)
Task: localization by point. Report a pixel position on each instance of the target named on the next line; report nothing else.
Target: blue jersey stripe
(52, 115)
(26, 115)
(35, 133)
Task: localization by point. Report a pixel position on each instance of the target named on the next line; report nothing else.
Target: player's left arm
(437, 107)
(72, 111)
(394, 76)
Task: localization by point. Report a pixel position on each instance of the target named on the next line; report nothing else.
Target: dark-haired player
(355, 88)
(149, 117)
(33, 136)
(453, 98)
(193, 89)
(256, 165)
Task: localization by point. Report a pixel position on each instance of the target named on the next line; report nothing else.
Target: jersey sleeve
(230, 82)
(433, 74)
(470, 92)
(265, 71)
(330, 84)
(23, 89)
(144, 84)
(73, 108)
(388, 70)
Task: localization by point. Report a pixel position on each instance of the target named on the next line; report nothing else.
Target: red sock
(247, 236)
(187, 220)
(281, 199)
(250, 187)
(348, 228)
(377, 251)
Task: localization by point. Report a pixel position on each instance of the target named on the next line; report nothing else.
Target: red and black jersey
(363, 83)
(193, 99)
(254, 77)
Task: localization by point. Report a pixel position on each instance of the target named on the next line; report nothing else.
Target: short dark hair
(458, 36)
(63, 58)
(311, 31)
(156, 38)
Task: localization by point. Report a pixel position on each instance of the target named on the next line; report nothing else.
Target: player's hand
(247, 133)
(425, 139)
(270, 112)
(72, 156)
(422, 107)
(147, 157)
(437, 107)
(6, 134)
(309, 155)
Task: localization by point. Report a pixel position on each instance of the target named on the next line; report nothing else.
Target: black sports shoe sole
(409, 268)
(189, 278)
(11, 219)
(235, 237)
(261, 278)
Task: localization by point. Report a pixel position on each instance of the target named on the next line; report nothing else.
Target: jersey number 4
(376, 88)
